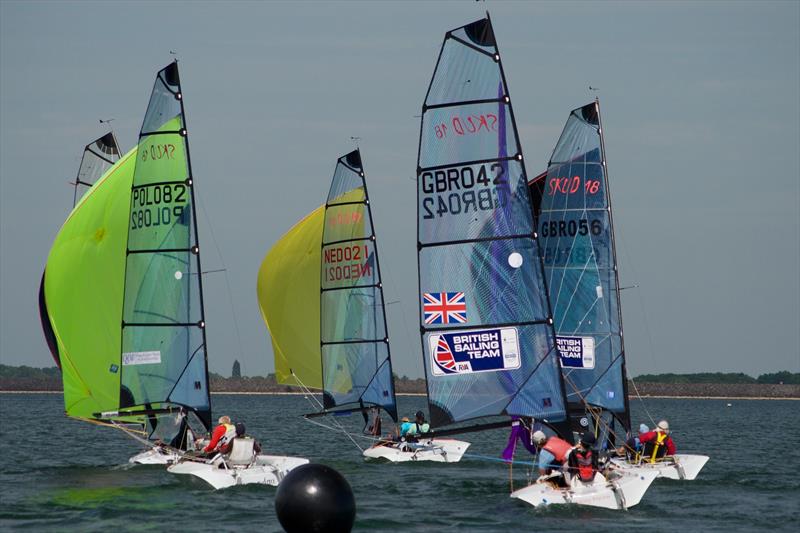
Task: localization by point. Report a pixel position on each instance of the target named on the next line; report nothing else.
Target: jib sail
(356, 365)
(487, 337)
(573, 210)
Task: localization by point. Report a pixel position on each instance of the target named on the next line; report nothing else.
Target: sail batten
(486, 327)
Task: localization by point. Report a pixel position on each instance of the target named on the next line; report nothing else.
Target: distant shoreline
(257, 393)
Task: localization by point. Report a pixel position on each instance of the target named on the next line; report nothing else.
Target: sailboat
(487, 332)
(121, 298)
(572, 204)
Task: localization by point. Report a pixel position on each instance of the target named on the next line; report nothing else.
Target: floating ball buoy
(315, 498)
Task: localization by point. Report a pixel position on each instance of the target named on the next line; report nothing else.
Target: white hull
(624, 491)
(155, 456)
(438, 450)
(680, 466)
(266, 470)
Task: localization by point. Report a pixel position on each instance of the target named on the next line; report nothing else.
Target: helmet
(663, 426)
(588, 440)
(643, 428)
(539, 437)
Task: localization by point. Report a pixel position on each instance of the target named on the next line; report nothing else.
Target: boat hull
(625, 491)
(155, 456)
(266, 470)
(437, 450)
(680, 467)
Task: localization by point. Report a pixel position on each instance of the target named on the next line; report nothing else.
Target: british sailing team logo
(466, 352)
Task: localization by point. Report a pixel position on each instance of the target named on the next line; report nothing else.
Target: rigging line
(607, 426)
(639, 397)
(224, 269)
(306, 393)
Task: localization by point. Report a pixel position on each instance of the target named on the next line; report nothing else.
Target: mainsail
(356, 365)
(122, 291)
(97, 157)
(487, 336)
(572, 206)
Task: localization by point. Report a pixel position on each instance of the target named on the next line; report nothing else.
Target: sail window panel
(575, 239)
(162, 288)
(352, 315)
(489, 274)
(464, 74)
(162, 158)
(532, 389)
(604, 386)
(583, 301)
(347, 186)
(155, 358)
(347, 222)
(474, 201)
(574, 185)
(354, 372)
(579, 141)
(348, 264)
(164, 105)
(474, 132)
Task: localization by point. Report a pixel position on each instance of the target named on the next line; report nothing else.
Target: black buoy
(315, 498)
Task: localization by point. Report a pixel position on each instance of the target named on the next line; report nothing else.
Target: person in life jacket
(553, 452)
(657, 444)
(221, 435)
(583, 459)
(241, 432)
(633, 446)
(411, 430)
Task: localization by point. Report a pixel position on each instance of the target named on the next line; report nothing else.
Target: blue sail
(356, 364)
(572, 204)
(487, 337)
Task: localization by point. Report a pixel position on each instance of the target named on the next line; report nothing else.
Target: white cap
(643, 428)
(663, 426)
(539, 437)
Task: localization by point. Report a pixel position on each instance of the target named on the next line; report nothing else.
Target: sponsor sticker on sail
(466, 352)
(141, 358)
(576, 352)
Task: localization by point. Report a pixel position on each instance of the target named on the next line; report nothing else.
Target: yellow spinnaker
(288, 296)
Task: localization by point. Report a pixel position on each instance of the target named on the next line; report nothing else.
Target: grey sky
(700, 102)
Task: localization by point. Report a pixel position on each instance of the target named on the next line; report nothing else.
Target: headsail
(487, 336)
(356, 365)
(98, 156)
(163, 360)
(573, 209)
(288, 296)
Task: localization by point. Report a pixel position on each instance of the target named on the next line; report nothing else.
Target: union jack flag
(444, 307)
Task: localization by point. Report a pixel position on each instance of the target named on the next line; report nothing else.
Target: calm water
(60, 474)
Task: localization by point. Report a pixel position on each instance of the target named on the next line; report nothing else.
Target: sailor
(633, 446)
(241, 432)
(413, 430)
(583, 459)
(553, 452)
(222, 434)
(657, 444)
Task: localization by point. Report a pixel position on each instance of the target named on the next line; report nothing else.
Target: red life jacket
(585, 467)
(558, 447)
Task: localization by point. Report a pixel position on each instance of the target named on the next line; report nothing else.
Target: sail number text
(457, 190)
(467, 125)
(571, 185)
(570, 228)
(348, 262)
(155, 205)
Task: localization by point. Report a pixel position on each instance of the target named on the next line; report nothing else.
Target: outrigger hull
(437, 450)
(265, 470)
(620, 493)
(155, 456)
(679, 466)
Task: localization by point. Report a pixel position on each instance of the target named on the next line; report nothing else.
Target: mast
(486, 329)
(354, 343)
(163, 357)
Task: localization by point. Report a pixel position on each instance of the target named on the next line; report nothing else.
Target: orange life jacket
(558, 447)
(584, 462)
